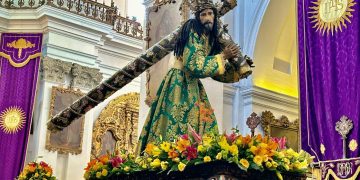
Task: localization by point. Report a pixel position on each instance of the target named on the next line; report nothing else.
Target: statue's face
(207, 19)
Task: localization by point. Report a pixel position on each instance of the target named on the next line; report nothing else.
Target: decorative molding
(120, 117)
(54, 70)
(85, 77)
(58, 52)
(49, 17)
(267, 99)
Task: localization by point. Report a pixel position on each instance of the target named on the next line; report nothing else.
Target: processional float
(144, 61)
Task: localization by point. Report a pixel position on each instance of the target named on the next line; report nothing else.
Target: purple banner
(329, 70)
(19, 65)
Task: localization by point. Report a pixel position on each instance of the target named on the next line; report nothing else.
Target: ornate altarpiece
(281, 127)
(116, 127)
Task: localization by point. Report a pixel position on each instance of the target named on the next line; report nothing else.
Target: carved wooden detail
(120, 118)
(281, 127)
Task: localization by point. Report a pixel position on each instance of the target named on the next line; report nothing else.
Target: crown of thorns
(199, 5)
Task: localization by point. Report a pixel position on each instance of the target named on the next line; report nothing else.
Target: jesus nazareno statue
(181, 99)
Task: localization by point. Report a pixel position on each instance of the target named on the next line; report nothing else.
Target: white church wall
(76, 39)
(251, 96)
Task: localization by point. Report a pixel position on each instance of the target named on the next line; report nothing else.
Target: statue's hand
(231, 51)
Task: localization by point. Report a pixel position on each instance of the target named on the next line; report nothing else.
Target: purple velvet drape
(329, 70)
(17, 92)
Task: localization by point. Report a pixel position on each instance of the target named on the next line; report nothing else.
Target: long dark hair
(195, 25)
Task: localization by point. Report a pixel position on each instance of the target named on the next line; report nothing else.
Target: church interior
(79, 84)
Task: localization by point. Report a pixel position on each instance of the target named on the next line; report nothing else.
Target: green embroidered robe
(181, 92)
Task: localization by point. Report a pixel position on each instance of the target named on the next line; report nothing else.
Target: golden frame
(61, 148)
(120, 117)
(281, 127)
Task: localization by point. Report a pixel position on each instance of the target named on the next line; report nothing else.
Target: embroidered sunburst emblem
(12, 120)
(330, 15)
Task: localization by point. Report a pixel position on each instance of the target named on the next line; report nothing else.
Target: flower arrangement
(35, 170)
(258, 153)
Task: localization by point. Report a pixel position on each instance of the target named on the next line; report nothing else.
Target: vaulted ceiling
(276, 49)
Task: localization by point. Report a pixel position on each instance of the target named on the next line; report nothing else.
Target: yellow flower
(206, 140)
(234, 150)
(263, 145)
(219, 156)
(224, 144)
(303, 165)
(265, 158)
(254, 149)
(164, 165)
(138, 160)
(144, 166)
(127, 168)
(238, 141)
(274, 164)
(131, 156)
(149, 159)
(181, 166)
(201, 148)
(286, 161)
(207, 159)
(290, 151)
(281, 155)
(97, 166)
(244, 163)
(36, 175)
(156, 163)
(104, 172)
(268, 164)
(98, 175)
(123, 156)
(176, 159)
(258, 160)
(156, 151)
(165, 146)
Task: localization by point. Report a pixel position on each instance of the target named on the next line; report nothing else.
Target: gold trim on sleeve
(219, 60)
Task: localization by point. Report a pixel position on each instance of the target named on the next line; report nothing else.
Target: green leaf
(198, 162)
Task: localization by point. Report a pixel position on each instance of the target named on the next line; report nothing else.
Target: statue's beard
(208, 27)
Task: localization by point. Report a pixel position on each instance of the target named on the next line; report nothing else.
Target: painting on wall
(70, 139)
